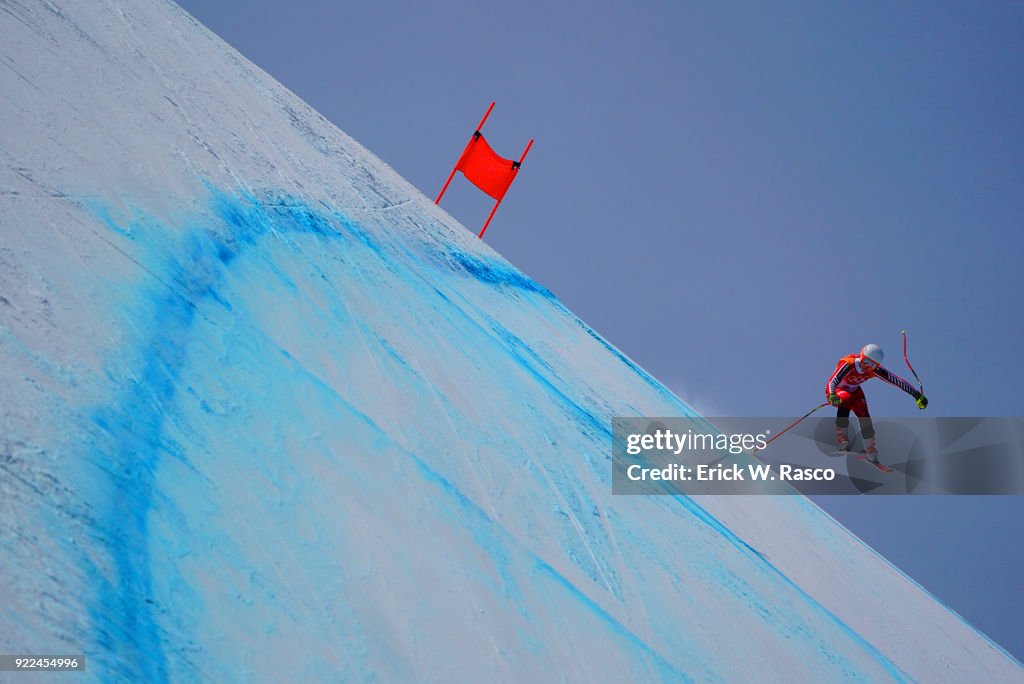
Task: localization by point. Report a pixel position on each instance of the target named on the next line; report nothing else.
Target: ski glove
(922, 402)
(835, 400)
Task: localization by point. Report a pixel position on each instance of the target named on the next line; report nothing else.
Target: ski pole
(919, 383)
(791, 426)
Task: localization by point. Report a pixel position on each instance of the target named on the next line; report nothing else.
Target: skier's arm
(897, 381)
(831, 388)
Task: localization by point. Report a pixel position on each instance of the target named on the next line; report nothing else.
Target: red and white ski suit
(850, 374)
(845, 382)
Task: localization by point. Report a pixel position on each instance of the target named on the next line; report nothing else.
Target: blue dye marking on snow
(391, 351)
(576, 412)
(684, 408)
(481, 526)
(190, 266)
(516, 345)
(701, 514)
(192, 269)
(490, 538)
(352, 229)
(134, 441)
(486, 533)
(517, 348)
(617, 627)
(495, 273)
(124, 613)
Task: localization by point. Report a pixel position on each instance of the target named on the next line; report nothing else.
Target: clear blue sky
(734, 194)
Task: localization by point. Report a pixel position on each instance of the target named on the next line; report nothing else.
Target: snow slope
(268, 414)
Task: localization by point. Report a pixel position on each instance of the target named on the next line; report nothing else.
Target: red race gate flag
(485, 169)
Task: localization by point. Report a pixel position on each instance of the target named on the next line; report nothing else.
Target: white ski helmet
(873, 352)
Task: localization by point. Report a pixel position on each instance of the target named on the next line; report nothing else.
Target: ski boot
(842, 441)
(870, 451)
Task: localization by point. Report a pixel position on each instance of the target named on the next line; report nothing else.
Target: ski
(881, 466)
(863, 457)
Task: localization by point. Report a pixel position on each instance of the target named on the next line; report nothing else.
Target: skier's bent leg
(842, 422)
(859, 408)
(867, 429)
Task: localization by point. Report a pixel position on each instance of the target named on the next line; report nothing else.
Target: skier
(844, 392)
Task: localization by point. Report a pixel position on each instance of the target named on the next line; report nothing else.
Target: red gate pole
(488, 221)
(471, 141)
(516, 165)
(450, 176)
